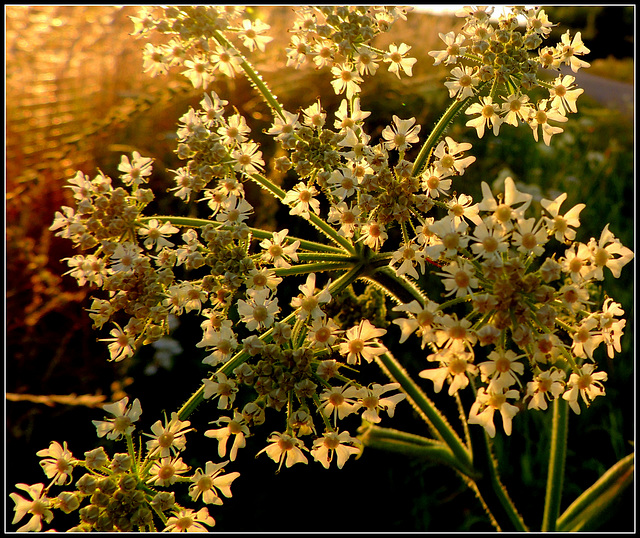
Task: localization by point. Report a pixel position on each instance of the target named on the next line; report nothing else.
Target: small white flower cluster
(487, 252)
(118, 492)
(507, 65)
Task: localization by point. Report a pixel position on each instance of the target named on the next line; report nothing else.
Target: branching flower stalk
(517, 329)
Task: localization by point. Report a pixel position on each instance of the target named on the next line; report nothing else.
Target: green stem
(327, 230)
(438, 131)
(425, 408)
(255, 232)
(412, 445)
(557, 456)
(306, 268)
(252, 75)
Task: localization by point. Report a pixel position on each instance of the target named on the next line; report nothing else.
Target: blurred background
(76, 99)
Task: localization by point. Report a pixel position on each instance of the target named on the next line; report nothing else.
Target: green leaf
(587, 508)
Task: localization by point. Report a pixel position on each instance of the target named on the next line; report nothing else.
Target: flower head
(122, 424)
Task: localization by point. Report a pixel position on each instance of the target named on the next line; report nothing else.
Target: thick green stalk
(589, 506)
(412, 445)
(557, 456)
(425, 408)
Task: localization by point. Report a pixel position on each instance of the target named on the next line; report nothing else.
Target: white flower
(276, 252)
(452, 52)
(488, 116)
(609, 252)
(361, 342)
(122, 424)
(301, 199)
(213, 478)
(39, 507)
(587, 384)
(156, 233)
(58, 463)
(541, 117)
(561, 224)
(487, 403)
(285, 449)
(372, 401)
(396, 57)
(188, 520)
(136, 171)
(259, 310)
(168, 438)
(404, 134)
(334, 443)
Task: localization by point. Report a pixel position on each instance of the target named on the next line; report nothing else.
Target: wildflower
(297, 51)
(334, 443)
(447, 238)
(501, 370)
(612, 330)
(586, 338)
(234, 210)
(235, 132)
(285, 449)
(371, 400)
(435, 181)
(540, 118)
(448, 156)
(226, 61)
(213, 106)
(487, 403)
(342, 183)
(222, 341)
(346, 216)
(511, 207)
(345, 80)
(396, 57)
(308, 304)
(248, 158)
(453, 51)
(155, 61)
(456, 366)
(530, 236)
(314, 116)
(423, 321)
(206, 483)
(276, 253)
(235, 426)
(198, 71)
(188, 520)
(569, 49)
(545, 386)
(585, 383)
(58, 463)
(122, 424)
(167, 471)
(339, 402)
(251, 34)
(459, 278)
(122, 344)
(361, 342)
(168, 438)
(301, 199)
(516, 109)
(488, 117)
(223, 388)
(124, 257)
(404, 134)
(373, 235)
(462, 83)
(452, 331)
(261, 278)
(285, 126)
(489, 241)
(39, 507)
(574, 296)
(604, 253)
(156, 233)
(460, 208)
(563, 95)
(366, 60)
(135, 171)
(561, 224)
